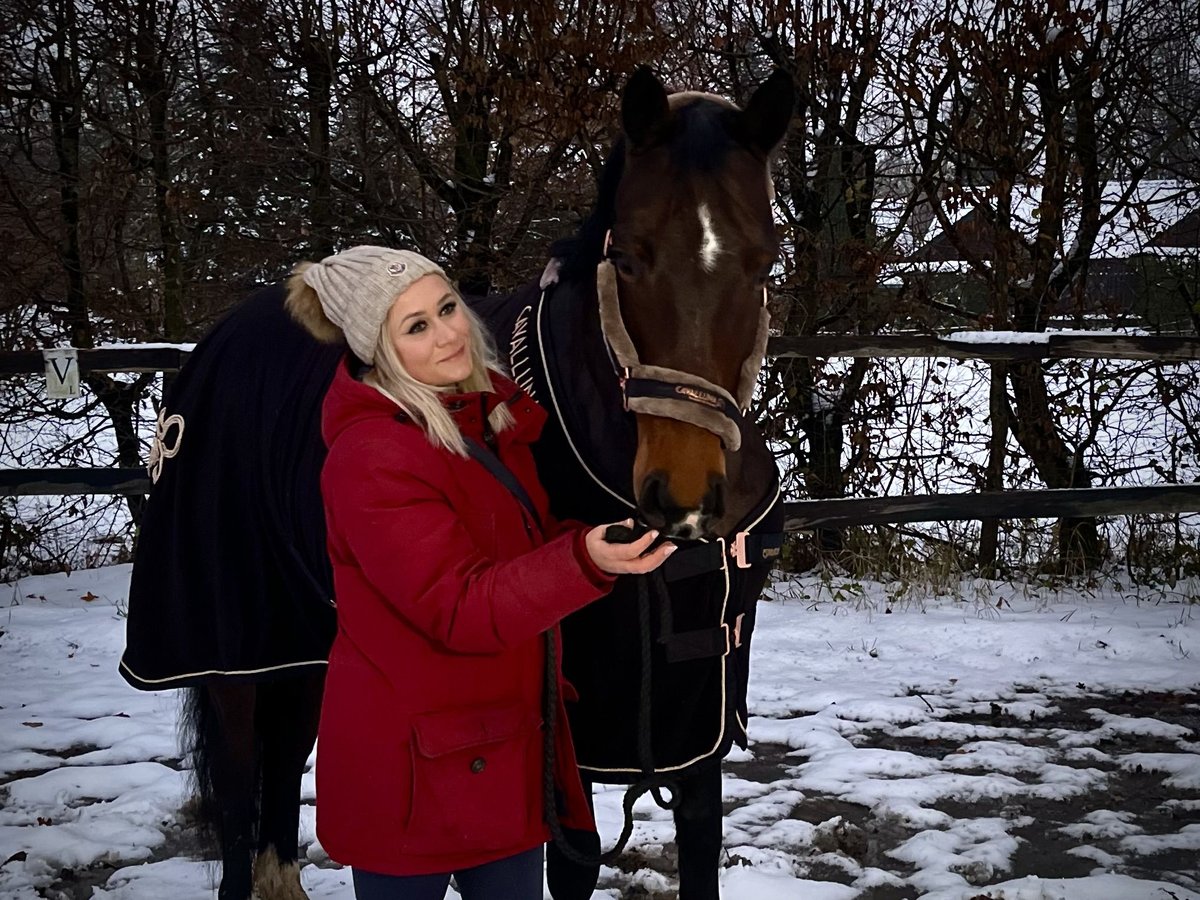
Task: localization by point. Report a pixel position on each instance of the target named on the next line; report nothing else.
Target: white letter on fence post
(62, 373)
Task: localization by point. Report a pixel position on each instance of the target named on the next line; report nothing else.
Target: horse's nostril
(685, 531)
(655, 501)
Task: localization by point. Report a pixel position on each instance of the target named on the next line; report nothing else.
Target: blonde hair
(422, 402)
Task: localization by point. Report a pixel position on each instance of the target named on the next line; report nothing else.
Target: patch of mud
(1150, 805)
(181, 841)
(768, 766)
(864, 840)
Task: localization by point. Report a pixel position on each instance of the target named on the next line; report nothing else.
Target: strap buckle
(733, 637)
(737, 550)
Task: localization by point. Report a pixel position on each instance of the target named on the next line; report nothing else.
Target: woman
(447, 571)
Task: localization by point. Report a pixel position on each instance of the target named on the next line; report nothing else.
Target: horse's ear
(305, 307)
(644, 108)
(765, 120)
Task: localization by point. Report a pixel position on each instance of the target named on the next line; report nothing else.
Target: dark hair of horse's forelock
(700, 139)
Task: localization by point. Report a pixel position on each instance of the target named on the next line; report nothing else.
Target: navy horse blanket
(231, 578)
(701, 635)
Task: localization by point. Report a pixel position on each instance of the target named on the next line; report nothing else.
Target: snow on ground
(1018, 744)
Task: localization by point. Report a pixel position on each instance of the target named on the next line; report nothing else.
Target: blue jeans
(512, 878)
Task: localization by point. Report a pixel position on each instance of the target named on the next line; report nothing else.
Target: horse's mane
(580, 253)
(699, 140)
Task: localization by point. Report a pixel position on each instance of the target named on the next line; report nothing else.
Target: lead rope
(650, 781)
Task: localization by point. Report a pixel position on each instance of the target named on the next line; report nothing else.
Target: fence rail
(43, 482)
(1005, 346)
(804, 515)
(1039, 346)
(799, 515)
(133, 358)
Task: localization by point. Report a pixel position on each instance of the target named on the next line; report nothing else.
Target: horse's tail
(196, 723)
(202, 740)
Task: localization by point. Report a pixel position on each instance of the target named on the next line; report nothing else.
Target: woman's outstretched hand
(626, 559)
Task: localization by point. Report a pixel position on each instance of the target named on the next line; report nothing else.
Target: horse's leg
(698, 833)
(287, 716)
(568, 880)
(221, 718)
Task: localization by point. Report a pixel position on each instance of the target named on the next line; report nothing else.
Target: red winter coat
(430, 744)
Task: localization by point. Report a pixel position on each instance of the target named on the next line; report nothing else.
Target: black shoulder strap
(504, 475)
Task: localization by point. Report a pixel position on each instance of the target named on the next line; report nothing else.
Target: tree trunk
(66, 118)
(989, 531)
(824, 429)
(66, 105)
(154, 85)
(120, 400)
(318, 54)
(1037, 432)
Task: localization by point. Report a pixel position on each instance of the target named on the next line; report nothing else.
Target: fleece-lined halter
(672, 393)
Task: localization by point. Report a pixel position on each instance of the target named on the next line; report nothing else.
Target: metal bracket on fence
(62, 373)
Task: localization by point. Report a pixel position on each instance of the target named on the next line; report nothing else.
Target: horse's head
(691, 244)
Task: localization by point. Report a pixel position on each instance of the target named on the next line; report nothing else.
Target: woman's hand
(626, 559)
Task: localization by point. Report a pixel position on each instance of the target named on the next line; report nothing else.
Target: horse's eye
(625, 264)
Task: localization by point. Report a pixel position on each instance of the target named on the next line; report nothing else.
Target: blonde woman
(447, 571)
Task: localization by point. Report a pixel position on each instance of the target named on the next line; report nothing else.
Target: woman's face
(430, 332)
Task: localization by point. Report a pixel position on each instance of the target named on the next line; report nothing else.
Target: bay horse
(643, 338)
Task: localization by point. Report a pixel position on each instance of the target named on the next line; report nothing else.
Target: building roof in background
(1183, 235)
(1156, 215)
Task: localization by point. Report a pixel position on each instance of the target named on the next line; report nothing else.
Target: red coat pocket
(471, 780)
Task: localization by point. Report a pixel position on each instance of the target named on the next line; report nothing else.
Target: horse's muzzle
(661, 510)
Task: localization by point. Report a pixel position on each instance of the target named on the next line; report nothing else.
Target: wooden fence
(800, 515)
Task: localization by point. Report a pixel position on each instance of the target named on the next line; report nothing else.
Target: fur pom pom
(305, 307)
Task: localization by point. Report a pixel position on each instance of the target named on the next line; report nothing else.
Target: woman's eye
(417, 328)
(449, 308)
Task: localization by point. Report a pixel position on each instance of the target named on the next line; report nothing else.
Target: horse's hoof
(275, 879)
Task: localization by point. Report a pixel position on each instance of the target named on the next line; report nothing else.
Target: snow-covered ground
(1007, 742)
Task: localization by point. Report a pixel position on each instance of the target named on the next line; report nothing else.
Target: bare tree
(1037, 99)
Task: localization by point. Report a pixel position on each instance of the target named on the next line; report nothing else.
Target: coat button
(478, 764)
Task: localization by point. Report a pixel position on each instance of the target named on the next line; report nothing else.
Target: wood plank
(50, 482)
(1057, 346)
(800, 515)
(134, 358)
(1044, 504)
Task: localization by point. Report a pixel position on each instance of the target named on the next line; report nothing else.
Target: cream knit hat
(357, 287)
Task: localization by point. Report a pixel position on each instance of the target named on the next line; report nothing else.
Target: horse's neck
(751, 476)
(580, 345)
(586, 454)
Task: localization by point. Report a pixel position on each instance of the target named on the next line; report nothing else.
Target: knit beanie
(357, 287)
